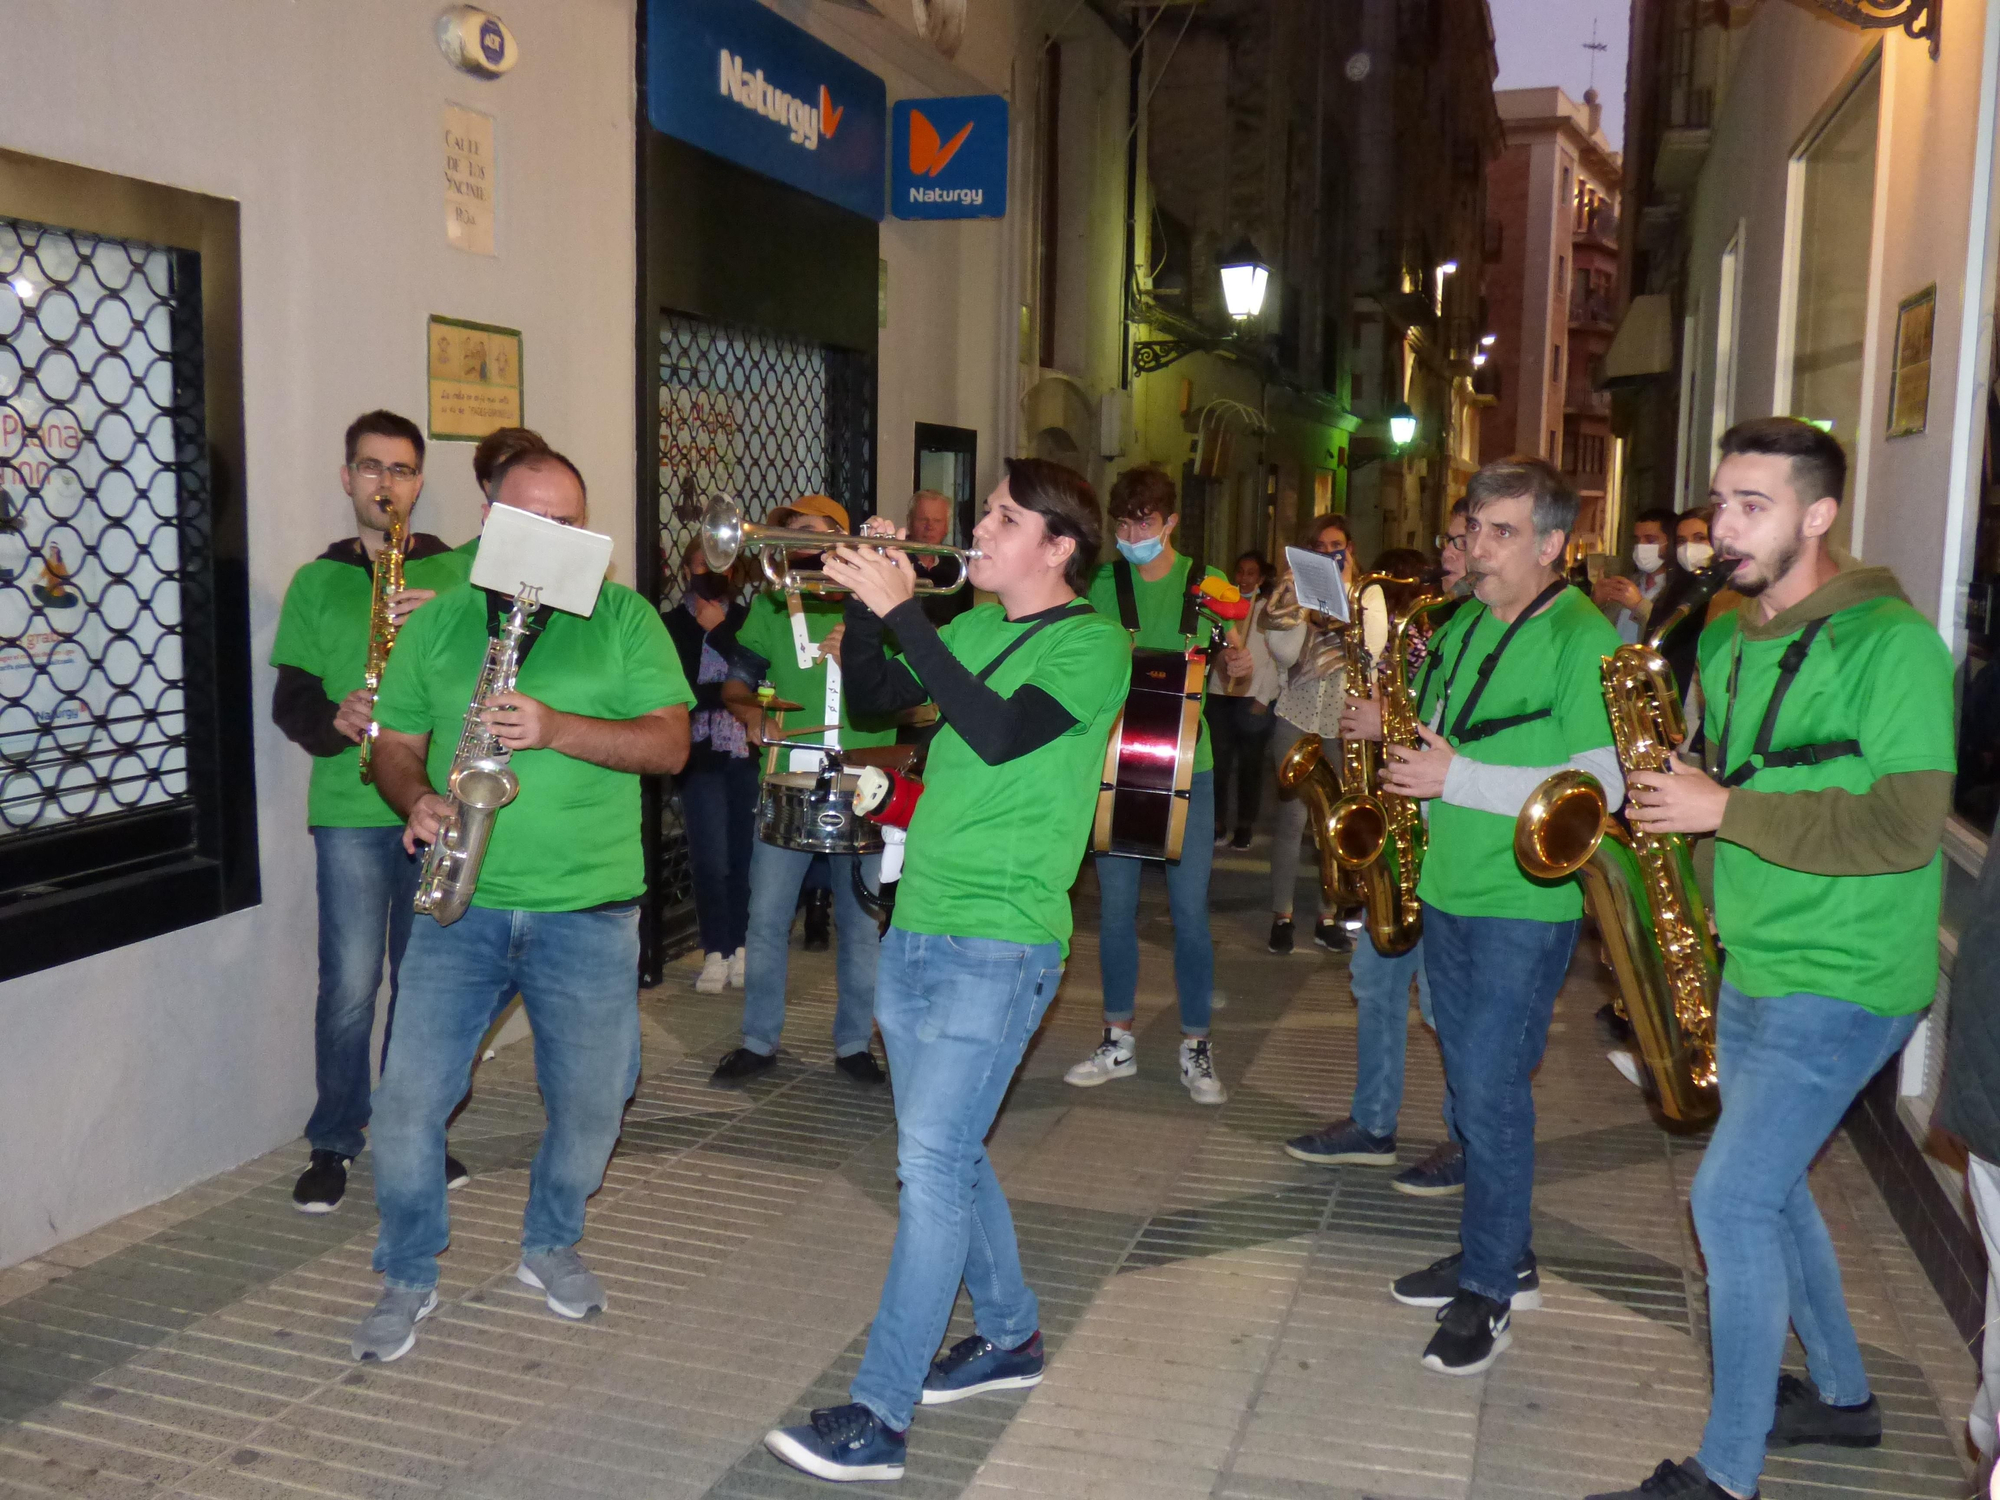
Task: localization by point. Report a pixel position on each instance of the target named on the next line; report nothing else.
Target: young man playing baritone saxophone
(1828, 718)
(1028, 689)
(1510, 693)
(365, 878)
(599, 701)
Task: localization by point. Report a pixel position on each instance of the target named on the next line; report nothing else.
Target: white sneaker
(714, 975)
(1198, 1071)
(736, 970)
(1114, 1058)
(1627, 1066)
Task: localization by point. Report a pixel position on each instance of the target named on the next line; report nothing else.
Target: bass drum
(794, 812)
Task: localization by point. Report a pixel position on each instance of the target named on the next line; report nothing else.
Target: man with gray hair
(1510, 694)
(930, 523)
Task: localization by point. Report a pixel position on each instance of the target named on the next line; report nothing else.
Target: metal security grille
(764, 419)
(104, 500)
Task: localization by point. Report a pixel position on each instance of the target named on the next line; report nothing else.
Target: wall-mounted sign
(468, 180)
(476, 41)
(475, 379)
(948, 158)
(737, 79)
(1910, 384)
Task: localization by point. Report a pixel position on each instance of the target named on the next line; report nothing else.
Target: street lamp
(1402, 424)
(1488, 340)
(1244, 277)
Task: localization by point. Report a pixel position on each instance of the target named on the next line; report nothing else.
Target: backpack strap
(1128, 600)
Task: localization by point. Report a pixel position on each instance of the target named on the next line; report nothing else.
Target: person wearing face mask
(718, 787)
(1628, 602)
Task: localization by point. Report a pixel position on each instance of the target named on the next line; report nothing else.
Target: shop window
(127, 799)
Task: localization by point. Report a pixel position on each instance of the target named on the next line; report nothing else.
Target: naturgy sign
(737, 79)
(948, 158)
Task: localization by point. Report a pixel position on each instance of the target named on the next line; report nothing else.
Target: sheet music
(566, 563)
(1319, 583)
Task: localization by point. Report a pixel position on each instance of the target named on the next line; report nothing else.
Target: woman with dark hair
(718, 787)
(1029, 688)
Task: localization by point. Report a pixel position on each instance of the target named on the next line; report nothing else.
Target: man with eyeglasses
(366, 881)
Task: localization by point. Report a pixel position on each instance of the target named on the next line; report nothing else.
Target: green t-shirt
(993, 850)
(1554, 666)
(1159, 605)
(767, 630)
(1878, 673)
(323, 629)
(570, 839)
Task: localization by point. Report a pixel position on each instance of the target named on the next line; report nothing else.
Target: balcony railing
(1593, 307)
(1600, 223)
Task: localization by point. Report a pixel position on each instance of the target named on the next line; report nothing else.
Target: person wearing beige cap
(794, 645)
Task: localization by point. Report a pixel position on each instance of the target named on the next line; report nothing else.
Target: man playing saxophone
(1828, 718)
(599, 701)
(1509, 695)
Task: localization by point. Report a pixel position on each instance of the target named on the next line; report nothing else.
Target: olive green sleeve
(1895, 825)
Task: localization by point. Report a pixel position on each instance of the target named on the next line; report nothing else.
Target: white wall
(126, 1076)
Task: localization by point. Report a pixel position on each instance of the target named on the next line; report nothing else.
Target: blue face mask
(1138, 554)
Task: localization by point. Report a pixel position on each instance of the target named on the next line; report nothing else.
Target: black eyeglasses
(1445, 540)
(374, 472)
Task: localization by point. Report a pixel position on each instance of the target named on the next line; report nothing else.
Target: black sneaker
(1802, 1417)
(1686, 1480)
(1242, 839)
(322, 1184)
(861, 1067)
(1473, 1331)
(1343, 1144)
(455, 1175)
(973, 1366)
(1614, 1028)
(819, 921)
(1439, 1175)
(742, 1065)
(1332, 935)
(1281, 935)
(1437, 1284)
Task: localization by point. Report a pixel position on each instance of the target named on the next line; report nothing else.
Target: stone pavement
(1217, 1314)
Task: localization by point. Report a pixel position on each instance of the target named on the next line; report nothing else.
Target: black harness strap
(1463, 730)
(1762, 757)
(1128, 599)
(1075, 610)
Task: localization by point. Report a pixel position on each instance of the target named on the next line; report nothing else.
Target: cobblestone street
(1218, 1315)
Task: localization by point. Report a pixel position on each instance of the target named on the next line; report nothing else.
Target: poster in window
(1910, 386)
(475, 379)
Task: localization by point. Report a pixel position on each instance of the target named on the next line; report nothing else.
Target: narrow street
(1218, 1314)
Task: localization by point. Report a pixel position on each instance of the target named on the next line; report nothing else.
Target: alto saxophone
(480, 783)
(387, 580)
(1641, 886)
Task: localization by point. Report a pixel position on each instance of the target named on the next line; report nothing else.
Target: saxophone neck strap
(1762, 757)
(1463, 730)
(499, 606)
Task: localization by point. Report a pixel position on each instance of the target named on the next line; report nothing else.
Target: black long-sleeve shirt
(997, 729)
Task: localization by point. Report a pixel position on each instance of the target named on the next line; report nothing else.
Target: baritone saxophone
(1641, 886)
(480, 783)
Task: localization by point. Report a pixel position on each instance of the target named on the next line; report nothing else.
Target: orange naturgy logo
(929, 154)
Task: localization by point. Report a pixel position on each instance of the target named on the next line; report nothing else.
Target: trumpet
(725, 536)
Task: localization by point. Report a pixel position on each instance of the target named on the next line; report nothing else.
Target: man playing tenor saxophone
(599, 701)
(1828, 718)
(1510, 694)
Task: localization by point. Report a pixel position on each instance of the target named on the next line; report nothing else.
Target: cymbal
(779, 705)
(893, 757)
(798, 734)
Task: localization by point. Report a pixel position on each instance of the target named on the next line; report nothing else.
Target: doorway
(948, 462)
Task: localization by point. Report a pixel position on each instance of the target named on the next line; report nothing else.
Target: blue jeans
(1187, 900)
(775, 878)
(1493, 991)
(577, 973)
(366, 884)
(1789, 1067)
(719, 810)
(1381, 989)
(956, 1014)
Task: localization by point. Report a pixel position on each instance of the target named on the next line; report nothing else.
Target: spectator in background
(498, 447)
(718, 787)
(1239, 707)
(1628, 601)
(930, 523)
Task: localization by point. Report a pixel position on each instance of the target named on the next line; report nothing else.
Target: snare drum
(793, 813)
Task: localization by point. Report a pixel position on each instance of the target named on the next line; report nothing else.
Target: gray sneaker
(390, 1331)
(572, 1291)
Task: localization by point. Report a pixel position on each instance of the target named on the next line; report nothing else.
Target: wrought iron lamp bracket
(1149, 355)
(1917, 18)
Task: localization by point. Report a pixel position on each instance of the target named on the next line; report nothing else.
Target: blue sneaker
(974, 1366)
(841, 1443)
(1343, 1143)
(1438, 1175)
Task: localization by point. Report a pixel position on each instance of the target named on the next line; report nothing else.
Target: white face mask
(1646, 557)
(1694, 556)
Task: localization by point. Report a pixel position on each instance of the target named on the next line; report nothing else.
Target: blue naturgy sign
(948, 158)
(739, 80)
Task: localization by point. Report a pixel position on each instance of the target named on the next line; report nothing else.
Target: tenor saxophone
(481, 782)
(1641, 886)
(387, 580)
